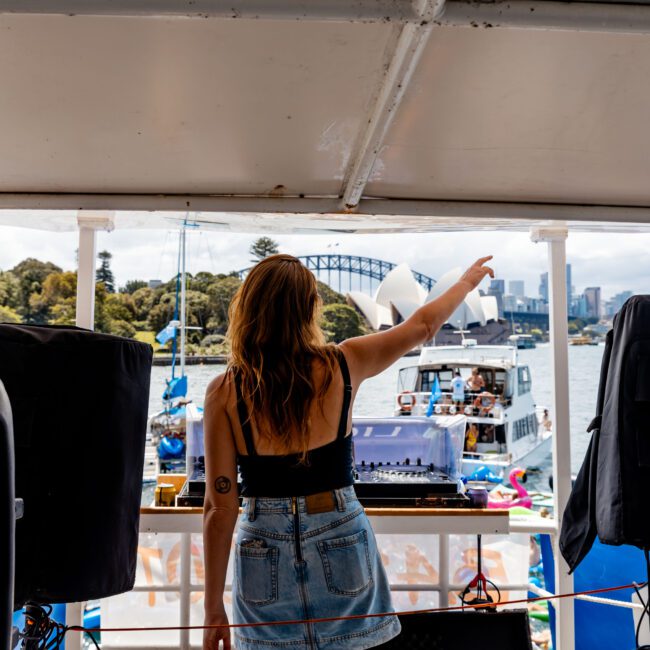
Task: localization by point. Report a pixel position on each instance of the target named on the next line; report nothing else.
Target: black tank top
(326, 468)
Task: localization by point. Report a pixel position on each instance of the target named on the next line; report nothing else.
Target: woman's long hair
(275, 343)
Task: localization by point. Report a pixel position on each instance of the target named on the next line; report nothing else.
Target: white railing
(439, 536)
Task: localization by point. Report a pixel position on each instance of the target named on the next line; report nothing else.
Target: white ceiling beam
(366, 11)
(407, 52)
(554, 16)
(411, 214)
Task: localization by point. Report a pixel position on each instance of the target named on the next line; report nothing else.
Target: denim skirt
(292, 565)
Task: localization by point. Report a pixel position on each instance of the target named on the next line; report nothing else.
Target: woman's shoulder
(218, 390)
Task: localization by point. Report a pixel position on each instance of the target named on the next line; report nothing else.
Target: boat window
(428, 376)
(486, 433)
(524, 427)
(407, 378)
(510, 383)
(524, 380)
(500, 383)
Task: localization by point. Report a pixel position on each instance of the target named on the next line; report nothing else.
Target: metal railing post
(186, 594)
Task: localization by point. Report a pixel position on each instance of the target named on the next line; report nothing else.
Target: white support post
(89, 223)
(87, 254)
(558, 328)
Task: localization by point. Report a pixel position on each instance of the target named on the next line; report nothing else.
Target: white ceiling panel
(525, 115)
(175, 105)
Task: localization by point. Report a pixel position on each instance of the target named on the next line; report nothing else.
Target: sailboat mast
(183, 280)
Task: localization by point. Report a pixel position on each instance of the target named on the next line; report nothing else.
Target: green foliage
(340, 322)
(198, 310)
(121, 328)
(328, 295)
(56, 303)
(201, 281)
(221, 293)
(104, 273)
(8, 315)
(133, 285)
(263, 247)
(31, 274)
(537, 333)
(120, 306)
(144, 299)
(9, 290)
(573, 328)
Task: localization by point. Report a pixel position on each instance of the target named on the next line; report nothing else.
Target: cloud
(613, 261)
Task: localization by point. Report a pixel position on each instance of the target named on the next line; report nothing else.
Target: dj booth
(399, 461)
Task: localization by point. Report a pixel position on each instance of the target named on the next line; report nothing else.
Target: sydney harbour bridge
(338, 271)
(351, 272)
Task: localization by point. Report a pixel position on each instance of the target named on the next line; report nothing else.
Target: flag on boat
(168, 332)
(436, 394)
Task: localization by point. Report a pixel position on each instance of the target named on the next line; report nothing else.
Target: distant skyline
(615, 262)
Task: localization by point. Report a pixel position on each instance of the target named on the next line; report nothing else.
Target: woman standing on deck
(282, 412)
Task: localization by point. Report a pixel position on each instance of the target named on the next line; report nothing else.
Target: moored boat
(504, 426)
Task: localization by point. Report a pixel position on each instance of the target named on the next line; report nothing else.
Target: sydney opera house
(399, 295)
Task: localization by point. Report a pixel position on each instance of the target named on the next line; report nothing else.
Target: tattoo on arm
(222, 484)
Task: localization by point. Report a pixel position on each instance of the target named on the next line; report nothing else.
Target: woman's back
(323, 417)
(326, 466)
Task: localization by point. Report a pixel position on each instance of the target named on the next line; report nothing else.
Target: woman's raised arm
(369, 355)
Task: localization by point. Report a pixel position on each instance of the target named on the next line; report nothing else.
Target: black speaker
(79, 402)
(7, 519)
(463, 631)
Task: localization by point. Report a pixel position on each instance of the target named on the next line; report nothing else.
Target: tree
(8, 315)
(221, 293)
(144, 300)
(9, 290)
(31, 274)
(328, 295)
(57, 301)
(263, 247)
(198, 311)
(120, 306)
(340, 322)
(104, 273)
(133, 285)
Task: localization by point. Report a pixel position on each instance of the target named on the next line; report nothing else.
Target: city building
(517, 288)
(614, 304)
(592, 300)
(498, 285)
(497, 289)
(544, 289)
(543, 286)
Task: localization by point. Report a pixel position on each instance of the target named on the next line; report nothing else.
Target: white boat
(504, 426)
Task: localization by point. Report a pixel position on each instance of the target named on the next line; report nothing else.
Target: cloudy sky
(615, 262)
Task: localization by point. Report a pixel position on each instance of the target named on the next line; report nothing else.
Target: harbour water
(376, 396)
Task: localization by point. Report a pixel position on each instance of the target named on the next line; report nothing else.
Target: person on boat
(484, 402)
(471, 437)
(476, 382)
(458, 389)
(282, 412)
(546, 421)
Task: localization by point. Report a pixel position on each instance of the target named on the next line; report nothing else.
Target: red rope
(354, 616)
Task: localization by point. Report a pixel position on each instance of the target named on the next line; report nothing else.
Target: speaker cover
(471, 630)
(79, 403)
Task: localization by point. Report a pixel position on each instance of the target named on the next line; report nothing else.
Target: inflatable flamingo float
(522, 500)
